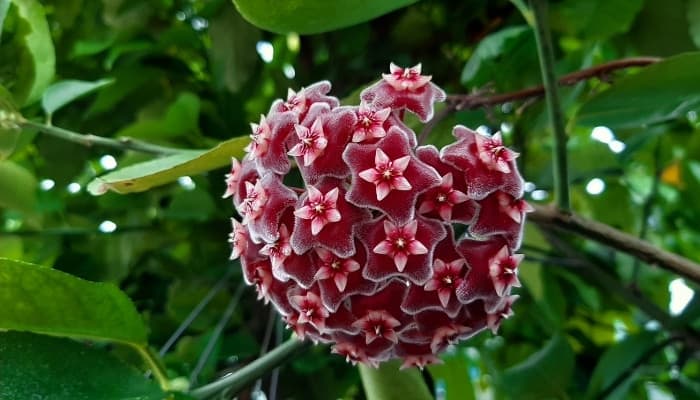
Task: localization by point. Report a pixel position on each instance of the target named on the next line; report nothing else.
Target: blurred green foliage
(191, 74)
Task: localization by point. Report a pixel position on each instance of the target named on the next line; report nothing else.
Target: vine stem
(546, 56)
(611, 237)
(89, 140)
(236, 381)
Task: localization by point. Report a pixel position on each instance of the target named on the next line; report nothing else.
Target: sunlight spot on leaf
(108, 162)
(74, 187)
(289, 71)
(681, 295)
(47, 184)
(107, 227)
(539, 195)
(186, 182)
(595, 186)
(265, 50)
(617, 146)
(602, 134)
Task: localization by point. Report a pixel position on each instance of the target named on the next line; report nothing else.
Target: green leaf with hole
(43, 367)
(545, 374)
(313, 16)
(36, 59)
(17, 187)
(617, 360)
(388, 382)
(143, 176)
(44, 300)
(61, 93)
(661, 92)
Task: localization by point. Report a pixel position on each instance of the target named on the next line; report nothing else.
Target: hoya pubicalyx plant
(385, 249)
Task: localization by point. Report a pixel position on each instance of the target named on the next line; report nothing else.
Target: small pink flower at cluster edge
(385, 249)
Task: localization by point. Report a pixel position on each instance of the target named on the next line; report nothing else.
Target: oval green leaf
(42, 367)
(36, 64)
(61, 93)
(313, 16)
(143, 176)
(44, 300)
(388, 382)
(17, 187)
(545, 374)
(658, 93)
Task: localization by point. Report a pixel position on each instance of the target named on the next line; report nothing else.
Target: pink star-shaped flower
(387, 175)
(416, 355)
(310, 309)
(503, 310)
(483, 178)
(378, 324)
(280, 249)
(443, 199)
(406, 78)
(497, 217)
(258, 273)
(238, 239)
(295, 101)
(270, 199)
(260, 139)
(320, 208)
(232, 178)
(494, 154)
(333, 267)
(400, 242)
(477, 283)
(446, 277)
(370, 123)
(252, 205)
(313, 142)
(446, 335)
(353, 353)
(514, 208)
(503, 270)
(400, 250)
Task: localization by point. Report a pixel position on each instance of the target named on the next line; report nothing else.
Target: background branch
(551, 217)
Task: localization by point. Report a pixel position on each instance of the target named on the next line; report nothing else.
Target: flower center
(335, 264)
(366, 122)
(318, 208)
(447, 280)
(400, 243)
(441, 198)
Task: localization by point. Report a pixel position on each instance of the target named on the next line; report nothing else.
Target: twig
(609, 236)
(556, 115)
(195, 313)
(646, 356)
(236, 381)
(648, 205)
(457, 102)
(218, 330)
(89, 140)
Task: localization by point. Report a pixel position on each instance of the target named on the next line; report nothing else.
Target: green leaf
(693, 15)
(17, 187)
(143, 176)
(388, 382)
(233, 55)
(43, 367)
(313, 16)
(596, 19)
(490, 48)
(661, 92)
(4, 6)
(180, 118)
(617, 360)
(545, 374)
(453, 377)
(35, 65)
(61, 93)
(45, 300)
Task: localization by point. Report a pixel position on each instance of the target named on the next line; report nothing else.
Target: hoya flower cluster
(385, 249)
